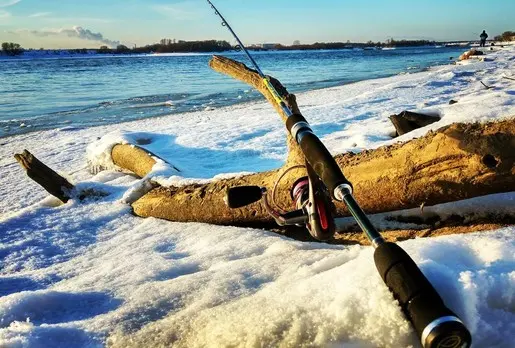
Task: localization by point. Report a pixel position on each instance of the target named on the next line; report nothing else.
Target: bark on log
(52, 182)
(135, 159)
(132, 158)
(456, 162)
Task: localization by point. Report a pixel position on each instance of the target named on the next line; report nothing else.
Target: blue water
(51, 93)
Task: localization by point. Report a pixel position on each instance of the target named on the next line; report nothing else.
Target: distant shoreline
(213, 47)
(65, 53)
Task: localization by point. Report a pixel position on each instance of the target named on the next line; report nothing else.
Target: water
(51, 93)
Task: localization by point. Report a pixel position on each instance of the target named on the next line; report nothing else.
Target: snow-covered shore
(76, 274)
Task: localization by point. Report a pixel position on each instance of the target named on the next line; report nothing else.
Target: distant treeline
(11, 49)
(221, 46)
(177, 47)
(171, 46)
(408, 43)
(506, 36)
(167, 46)
(343, 45)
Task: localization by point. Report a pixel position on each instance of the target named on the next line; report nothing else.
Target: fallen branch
(249, 76)
(52, 182)
(456, 162)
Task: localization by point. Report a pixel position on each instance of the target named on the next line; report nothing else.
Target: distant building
(296, 43)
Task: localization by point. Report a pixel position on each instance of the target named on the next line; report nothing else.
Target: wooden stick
(249, 76)
(52, 182)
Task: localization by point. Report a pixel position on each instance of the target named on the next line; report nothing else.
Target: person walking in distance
(483, 37)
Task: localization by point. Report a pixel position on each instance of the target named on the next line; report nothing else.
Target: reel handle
(435, 324)
(240, 196)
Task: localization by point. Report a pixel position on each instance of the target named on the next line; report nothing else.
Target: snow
(495, 205)
(89, 273)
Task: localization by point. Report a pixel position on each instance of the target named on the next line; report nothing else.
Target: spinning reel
(315, 209)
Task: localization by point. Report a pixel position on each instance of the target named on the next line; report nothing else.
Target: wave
(153, 105)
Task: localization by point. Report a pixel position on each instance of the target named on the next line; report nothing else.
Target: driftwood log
(52, 182)
(456, 162)
(453, 163)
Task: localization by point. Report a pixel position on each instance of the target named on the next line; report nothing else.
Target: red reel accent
(322, 216)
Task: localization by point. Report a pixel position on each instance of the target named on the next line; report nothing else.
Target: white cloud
(5, 3)
(76, 32)
(40, 14)
(4, 14)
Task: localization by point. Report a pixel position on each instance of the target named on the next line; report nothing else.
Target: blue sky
(54, 23)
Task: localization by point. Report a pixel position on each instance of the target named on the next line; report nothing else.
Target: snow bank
(86, 272)
(201, 285)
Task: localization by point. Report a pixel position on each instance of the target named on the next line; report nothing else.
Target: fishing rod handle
(316, 153)
(436, 325)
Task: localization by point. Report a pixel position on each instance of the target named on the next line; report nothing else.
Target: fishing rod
(436, 325)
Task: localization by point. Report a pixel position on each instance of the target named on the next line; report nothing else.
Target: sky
(93, 23)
